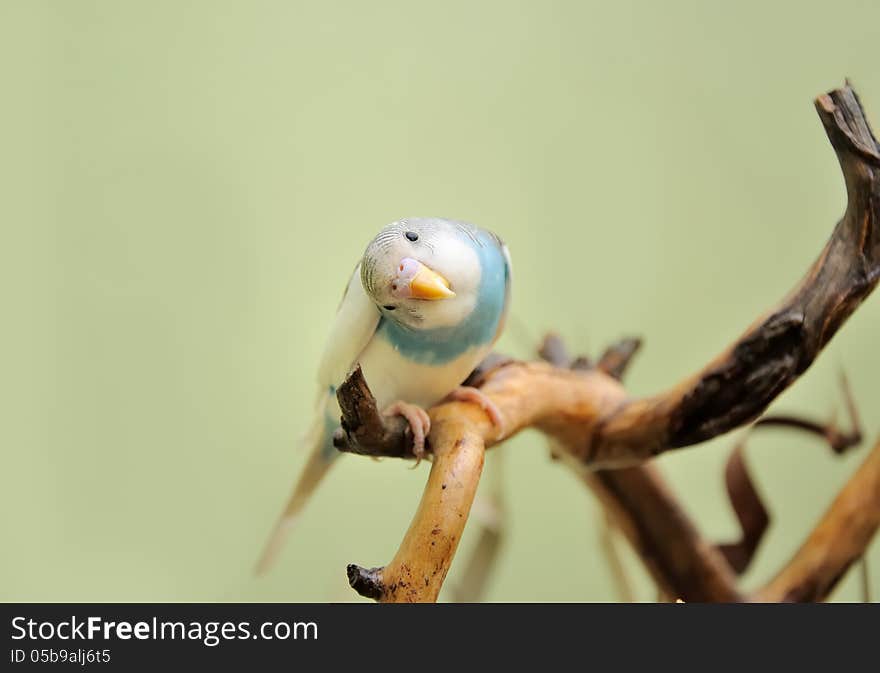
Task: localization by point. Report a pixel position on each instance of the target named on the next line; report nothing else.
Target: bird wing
(354, 326)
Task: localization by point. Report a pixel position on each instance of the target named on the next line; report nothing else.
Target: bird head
(422, 273)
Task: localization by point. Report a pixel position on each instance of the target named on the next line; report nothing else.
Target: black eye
(389, 307)
(412, 236)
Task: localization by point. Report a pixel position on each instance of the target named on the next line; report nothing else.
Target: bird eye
(412, 236)
(389, 307)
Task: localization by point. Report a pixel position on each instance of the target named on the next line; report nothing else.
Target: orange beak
(418, 281)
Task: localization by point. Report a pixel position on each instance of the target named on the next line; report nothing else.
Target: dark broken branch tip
(554, 351)
(618, 356)
(582, 363)
(844, 118)
(366, 581)
(364, 430)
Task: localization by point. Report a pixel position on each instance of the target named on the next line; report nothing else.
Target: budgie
(422, 309)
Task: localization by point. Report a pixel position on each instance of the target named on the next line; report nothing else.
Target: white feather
(352, 329)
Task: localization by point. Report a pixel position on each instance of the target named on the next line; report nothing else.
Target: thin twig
(840, 441)
(608, 542)
(838, 540)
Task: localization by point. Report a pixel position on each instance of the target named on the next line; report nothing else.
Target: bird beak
(418, 281)
(428, 284)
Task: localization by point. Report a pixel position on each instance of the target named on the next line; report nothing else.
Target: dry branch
(490, 512)
(744, 498)
(617, 358)
(681, 561)
(638, 502)
(839, 540)
(840, 441)
(416, 573)
(588, 413)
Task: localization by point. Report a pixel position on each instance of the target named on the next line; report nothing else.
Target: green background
(186, 185)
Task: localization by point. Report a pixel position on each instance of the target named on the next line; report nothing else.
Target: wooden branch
(618, 357)
(554, 351)
(674, 552)
(749, 508)
(566, 404)
(839, 540)
(416, 573)
(588, 413)
(840, 441)
(363, 429)
(739, 384)
(490, 512)
(681, 561)
(744, 498)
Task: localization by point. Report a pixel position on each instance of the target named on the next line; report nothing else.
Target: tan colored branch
(490, 513)
(564, 403)
(417, 571)
(838, 541)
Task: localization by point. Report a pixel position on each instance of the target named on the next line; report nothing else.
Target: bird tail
(322, 455)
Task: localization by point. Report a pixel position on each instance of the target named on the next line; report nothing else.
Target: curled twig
(744, 498)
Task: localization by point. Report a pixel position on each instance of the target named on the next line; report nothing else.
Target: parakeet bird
(421, 310)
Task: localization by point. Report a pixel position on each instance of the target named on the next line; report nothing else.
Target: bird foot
(419, 424)
(475, 395)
